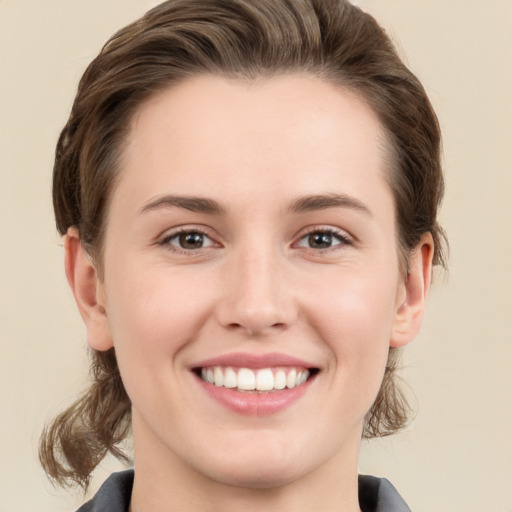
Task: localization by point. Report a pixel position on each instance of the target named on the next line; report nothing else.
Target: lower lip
(255, 403)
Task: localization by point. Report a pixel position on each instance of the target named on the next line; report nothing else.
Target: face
(251, 282)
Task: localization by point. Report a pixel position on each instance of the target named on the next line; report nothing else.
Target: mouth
(255, 384)
(256, 380)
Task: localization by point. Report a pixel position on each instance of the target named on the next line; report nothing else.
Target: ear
(413, 294)
(88, 291)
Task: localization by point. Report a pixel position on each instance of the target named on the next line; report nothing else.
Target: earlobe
(88, 291)
(410, 310)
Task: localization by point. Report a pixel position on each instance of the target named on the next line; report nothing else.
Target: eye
(188, 240)
(323, 239)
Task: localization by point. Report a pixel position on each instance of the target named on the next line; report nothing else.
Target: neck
(164, 483)
(338, 494)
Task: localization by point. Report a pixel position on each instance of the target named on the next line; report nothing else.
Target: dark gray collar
(114, 495)
(375, 495)
(379, 495)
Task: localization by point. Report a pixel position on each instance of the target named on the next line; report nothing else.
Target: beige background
(457, 455)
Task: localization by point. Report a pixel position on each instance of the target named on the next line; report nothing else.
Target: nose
(256, 296)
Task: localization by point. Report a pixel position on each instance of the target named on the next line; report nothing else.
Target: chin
(264, 467)
(257, 478)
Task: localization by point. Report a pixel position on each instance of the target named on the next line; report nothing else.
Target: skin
(256, 286)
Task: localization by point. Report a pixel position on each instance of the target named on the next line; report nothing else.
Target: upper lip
(254, 361)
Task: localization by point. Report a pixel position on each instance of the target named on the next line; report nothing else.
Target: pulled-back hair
(245, 39)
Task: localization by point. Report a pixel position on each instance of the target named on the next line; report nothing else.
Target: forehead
(291, 131)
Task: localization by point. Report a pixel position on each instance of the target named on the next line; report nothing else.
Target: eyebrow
(301, 205)
(324, 201)
(194, 204)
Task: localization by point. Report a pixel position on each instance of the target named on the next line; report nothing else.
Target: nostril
(256, 329)
(254, 314)
(261, 330)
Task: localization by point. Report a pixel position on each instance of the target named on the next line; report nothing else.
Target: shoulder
(379, 495)
(113, 496)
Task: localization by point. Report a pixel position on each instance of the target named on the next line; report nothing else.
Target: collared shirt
(375, 495)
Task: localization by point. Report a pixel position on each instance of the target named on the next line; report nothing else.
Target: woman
(247, 192)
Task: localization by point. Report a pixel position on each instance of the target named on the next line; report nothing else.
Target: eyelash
(343, 238)
(165, 241)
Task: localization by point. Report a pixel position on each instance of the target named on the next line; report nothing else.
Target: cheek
(153, 314)
(355, 318)
(153, 318)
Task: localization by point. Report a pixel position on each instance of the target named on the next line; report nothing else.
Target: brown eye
(320, 240)
(192, 240)
(188, 240)
(324, 239)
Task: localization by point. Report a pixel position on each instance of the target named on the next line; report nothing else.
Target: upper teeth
(264, 379)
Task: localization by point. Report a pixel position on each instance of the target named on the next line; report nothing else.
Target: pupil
(320, 240)
(191, 240)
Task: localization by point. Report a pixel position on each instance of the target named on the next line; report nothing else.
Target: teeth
(291, 379)
(245, 379)
(218, 376)
(280, 380)
(264, 380)
(230, 378)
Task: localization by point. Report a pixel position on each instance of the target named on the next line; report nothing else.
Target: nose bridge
(256, 296)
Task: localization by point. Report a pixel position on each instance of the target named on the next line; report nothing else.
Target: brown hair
(247, 39)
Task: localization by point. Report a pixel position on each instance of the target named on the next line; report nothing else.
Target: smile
(257, 380)
(256, 384)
